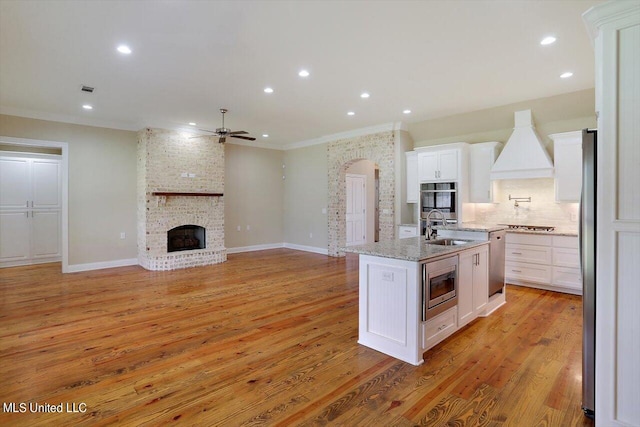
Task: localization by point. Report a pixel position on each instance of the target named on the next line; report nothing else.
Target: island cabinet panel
(390, 307)
(473, 284)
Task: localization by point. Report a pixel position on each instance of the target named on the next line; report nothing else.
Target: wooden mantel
(176, 193)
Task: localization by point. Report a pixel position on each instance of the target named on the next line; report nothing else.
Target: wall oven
(439, 286)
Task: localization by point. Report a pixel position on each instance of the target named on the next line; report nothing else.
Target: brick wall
(378, 148)
(163, 157)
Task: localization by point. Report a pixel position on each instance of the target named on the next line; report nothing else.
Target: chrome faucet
(431, 233)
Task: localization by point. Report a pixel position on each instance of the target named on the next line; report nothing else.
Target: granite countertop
(558, 231)
(410, 249)
(472, 226)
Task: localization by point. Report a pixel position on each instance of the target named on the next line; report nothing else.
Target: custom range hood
(524, 155)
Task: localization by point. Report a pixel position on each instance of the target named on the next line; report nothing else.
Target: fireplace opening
(186, 238)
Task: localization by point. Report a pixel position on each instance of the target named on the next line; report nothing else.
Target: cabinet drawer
(565, 242)
(566, 257)
(529, 239)
(528, 253)
(536, 273)
(440, 327)
(567, 277)
(405, 231)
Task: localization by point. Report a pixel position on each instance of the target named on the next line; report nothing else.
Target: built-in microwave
(439, 286)
(439, 195)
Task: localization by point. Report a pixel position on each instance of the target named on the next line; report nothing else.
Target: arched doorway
(377, 148)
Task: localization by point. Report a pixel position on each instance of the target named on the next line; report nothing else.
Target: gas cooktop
(529, 227)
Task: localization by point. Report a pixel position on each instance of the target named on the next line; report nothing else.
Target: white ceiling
(191, 58)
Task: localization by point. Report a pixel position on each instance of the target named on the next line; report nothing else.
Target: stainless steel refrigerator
(587, 232)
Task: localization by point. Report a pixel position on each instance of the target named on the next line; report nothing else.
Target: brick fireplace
(180, 187)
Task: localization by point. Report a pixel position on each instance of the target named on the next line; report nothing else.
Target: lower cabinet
(473, 284)
(439, 328)
(543, 261)
(29, 237)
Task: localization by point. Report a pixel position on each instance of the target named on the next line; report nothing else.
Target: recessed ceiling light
(566, 75)
(351, 113)
(406, 112)
(124, 49)
(364, 95)
(87, 107)
(265, 135)
(303, 73)
(192, 123)
(268, 90)
(547, 40)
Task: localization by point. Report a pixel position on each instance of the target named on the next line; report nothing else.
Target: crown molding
(385, 127)
(71, 119)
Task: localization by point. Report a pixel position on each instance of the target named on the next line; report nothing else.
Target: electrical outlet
(574, 216)
(324, 211)
(248, 227)
(239, 228)
(311, 235)
(192, 175)
(123, 235)
(184, 174)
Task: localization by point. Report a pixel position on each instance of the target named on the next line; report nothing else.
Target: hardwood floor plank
(269, 338)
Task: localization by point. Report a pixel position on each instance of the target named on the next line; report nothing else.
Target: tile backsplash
(542, 210)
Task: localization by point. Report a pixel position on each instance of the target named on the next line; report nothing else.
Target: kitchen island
(415, 293)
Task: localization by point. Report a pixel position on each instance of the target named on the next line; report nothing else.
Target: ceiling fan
(223, 132)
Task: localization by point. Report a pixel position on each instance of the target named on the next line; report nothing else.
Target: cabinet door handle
(516, 253)
(516, 271)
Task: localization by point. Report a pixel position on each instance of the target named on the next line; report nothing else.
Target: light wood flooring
(269, 338)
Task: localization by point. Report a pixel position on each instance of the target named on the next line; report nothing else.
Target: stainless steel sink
(447, 242)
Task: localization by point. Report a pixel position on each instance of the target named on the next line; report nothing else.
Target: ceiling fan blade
(238, 132)
(207, 130)
(222, 139)
(197, 136)
(248, 138)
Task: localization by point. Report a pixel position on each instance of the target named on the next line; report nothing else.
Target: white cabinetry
(543, 261)
(440, 165)
(567, 157)
(406, 231)
(482, 156)
(615, 29)
(413, 186)
(473, 283)
(30, 210)
(440, 327)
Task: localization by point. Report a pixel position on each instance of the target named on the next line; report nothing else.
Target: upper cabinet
(413, 186)
(439, 165)
(482, 156)
(567, 154)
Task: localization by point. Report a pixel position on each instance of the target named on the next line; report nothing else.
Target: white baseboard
(314, 249)
(255, 248)
(100, 265)
(323, 251)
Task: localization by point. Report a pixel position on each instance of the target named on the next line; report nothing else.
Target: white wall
(305, 196)
(253, 196)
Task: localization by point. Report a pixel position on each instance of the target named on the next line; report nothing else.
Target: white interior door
(356, 209)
